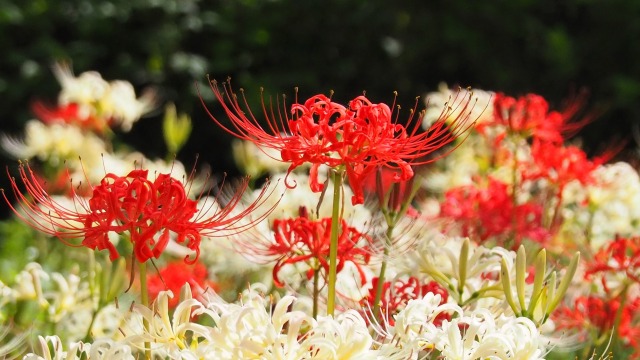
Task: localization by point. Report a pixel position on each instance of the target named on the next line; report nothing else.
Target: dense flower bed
(476, 228)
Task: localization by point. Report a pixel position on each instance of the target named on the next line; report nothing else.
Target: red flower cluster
(304, 240)
(560, 164)
(173, 277)
(594, 313)
(71, 114)
(490, 213)
(529, 116)
(621, 255)
(396, 294)
(148, 211)
(359, 137)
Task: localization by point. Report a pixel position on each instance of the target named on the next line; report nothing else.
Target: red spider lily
(396, 294)
(621, 255)
(491, 213)
(392, 195)
(305, 240)
(529, 116)
(599, 314)
(173, 277)
(560, 164)
(359, 137)
(149, 211)
(70, 114)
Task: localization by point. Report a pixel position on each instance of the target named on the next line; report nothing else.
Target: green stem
(383, 269)
(144, 297)
(333, 249)
(316, 291)
(616, 322)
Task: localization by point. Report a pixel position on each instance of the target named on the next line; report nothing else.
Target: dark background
(552, 48)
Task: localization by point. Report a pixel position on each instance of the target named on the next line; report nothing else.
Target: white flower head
(454, 100)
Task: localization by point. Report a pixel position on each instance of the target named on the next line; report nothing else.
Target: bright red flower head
(71, 114)
(560, 164)
(396, 294)
(592, 314)
(621, 256)
(303, 240)
(174, 275)
(148, 211)
(359, 137)
(490, 213)
(529, 116)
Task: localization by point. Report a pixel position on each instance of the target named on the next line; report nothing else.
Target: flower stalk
(333, 247)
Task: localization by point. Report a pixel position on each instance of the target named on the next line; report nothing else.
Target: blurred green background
(553, 48)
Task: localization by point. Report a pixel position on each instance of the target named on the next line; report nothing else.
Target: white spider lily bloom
(88, 87)
(255, 161)
(475, 276)
(414, 324)
(56, 144)
(250, 331)
(613, 205)
(345, 337)
(481, 111)
(167, 335)
(51, 348)
(480, 336)
(28, 285)
(114, 100)
(301, 195)
(53, 343)
(121, 104)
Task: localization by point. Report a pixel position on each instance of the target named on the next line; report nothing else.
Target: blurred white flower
(88, 88)
(608, 207)
(255, 161)
(121, 104)
(481, 106)
(52, 348)
(301, 195)
(113, 101)
(56, 144)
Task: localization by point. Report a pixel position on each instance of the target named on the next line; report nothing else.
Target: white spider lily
(167, 335)
(468, 271)
(51, 348)
(480, 336)
(249, 331)
(345, 337)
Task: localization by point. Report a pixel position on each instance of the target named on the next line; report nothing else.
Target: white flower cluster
(613, 205)
(110, 100)
(261, 328)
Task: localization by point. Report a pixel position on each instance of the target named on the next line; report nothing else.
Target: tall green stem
(383, 269)
(144, 297)
(333, 249)
(316, 291)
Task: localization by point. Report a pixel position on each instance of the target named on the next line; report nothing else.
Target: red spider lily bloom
(173, 277)
(396, 294)
(71, 114)
(305, 240)
(560, 164)
(529, 116)
(621, 255)
(490, 213)
(391, 194)
(591, 313)
(359, 137)
(148, 211)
